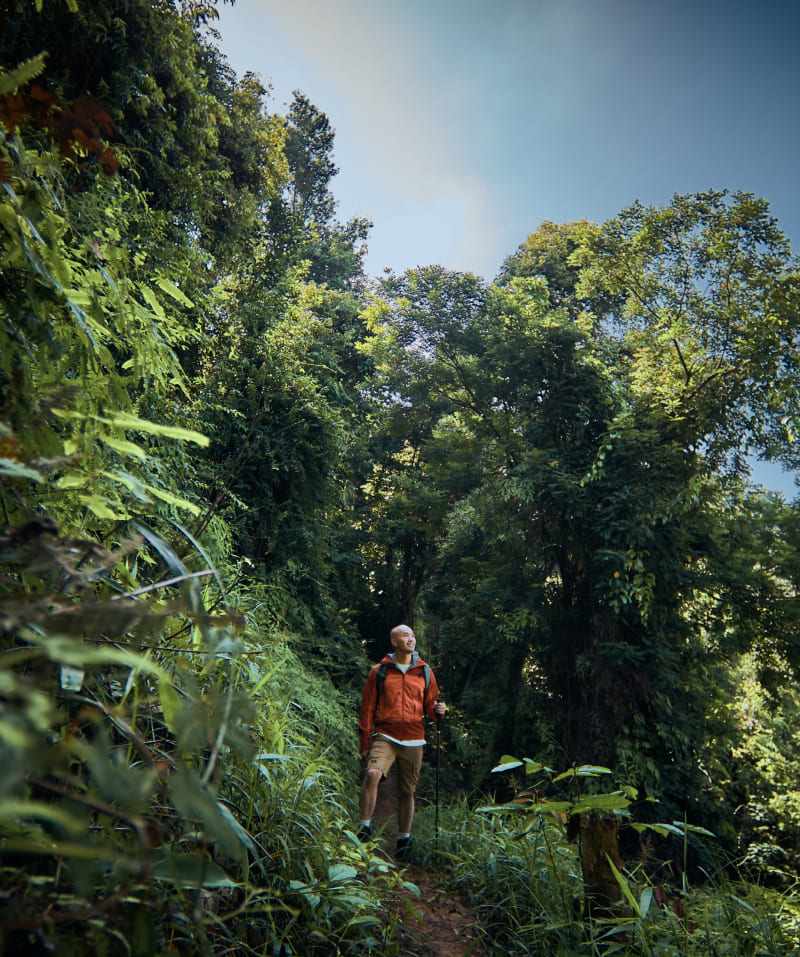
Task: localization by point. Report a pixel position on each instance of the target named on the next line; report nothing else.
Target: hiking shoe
(364, 833)
(405, 849)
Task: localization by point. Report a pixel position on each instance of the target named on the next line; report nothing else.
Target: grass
(528, 892)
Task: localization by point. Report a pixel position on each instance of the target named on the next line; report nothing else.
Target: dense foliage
(230, 462)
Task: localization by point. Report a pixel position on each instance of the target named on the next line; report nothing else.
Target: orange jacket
(401, 706)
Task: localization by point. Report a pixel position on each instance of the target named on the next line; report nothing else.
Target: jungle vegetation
(231, 461)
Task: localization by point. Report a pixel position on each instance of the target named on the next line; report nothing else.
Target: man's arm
(431, 704)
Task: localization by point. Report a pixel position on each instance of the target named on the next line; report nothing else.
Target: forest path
(445, 926)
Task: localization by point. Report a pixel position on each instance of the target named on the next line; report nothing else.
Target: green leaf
(130, 482)
(127, 421)
(661, 829)
(189, 870)
(341, 872)
(244, 836)
(507, 762)
(163, 549)
(153, 302)
(169, 287)
(28, 70)
(625, 887)
(170, 700)
(645, 900)
(584, 771)
(17, 810)
(79, 653)
(90, 850)
(124, 447)
(692, 829)
(678, 828)
(208, 561)
(196, 802)
(76, 480)
(171, 499)
(602, 802)
(98, 505)
(18, 470)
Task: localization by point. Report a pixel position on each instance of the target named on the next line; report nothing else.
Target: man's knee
(373, 777)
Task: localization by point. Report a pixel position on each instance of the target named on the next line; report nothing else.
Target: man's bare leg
(405, 811)
(369, 794)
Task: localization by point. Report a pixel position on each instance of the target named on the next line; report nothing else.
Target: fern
(12, 80)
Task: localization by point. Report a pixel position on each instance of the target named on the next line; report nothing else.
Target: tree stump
(597, 840)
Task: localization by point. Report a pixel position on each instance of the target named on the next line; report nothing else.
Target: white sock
(364, 823)
(401, 836)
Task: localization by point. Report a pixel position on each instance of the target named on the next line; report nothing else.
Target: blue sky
(462, 124)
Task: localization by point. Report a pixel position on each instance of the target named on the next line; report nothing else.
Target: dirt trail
(446, 927)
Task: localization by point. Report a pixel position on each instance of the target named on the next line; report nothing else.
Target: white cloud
(405, 158)
(372, 60)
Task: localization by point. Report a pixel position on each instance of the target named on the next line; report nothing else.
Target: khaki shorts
(383, 754)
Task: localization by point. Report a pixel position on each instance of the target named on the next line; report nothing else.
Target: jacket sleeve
(431, 697)
(366, 716)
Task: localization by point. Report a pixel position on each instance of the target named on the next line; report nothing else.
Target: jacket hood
(392, 659)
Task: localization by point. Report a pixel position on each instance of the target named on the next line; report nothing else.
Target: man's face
(403, 640)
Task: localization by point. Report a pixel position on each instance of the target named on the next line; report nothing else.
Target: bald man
(399, 691)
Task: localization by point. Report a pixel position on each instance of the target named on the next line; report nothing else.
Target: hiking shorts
(383, 754)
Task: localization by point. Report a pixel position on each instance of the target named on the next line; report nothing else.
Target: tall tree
(705, 286)
(309, 150)
(584, 537)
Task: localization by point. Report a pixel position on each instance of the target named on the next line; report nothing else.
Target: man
(399, 690)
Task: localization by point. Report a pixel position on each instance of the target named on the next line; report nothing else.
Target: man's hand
(440, 707)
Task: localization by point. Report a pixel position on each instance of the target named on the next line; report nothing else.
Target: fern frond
(28, 70)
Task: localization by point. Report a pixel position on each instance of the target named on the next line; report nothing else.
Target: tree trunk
(597, 841)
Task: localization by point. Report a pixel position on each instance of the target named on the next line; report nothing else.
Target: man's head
(403, 640)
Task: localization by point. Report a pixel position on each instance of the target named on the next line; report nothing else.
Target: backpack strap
(380, 677)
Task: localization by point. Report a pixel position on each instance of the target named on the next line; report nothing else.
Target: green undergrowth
(170, 782)
(527, 892)
(172, 768)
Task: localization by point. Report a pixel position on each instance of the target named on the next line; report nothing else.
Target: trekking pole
(438, 749)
